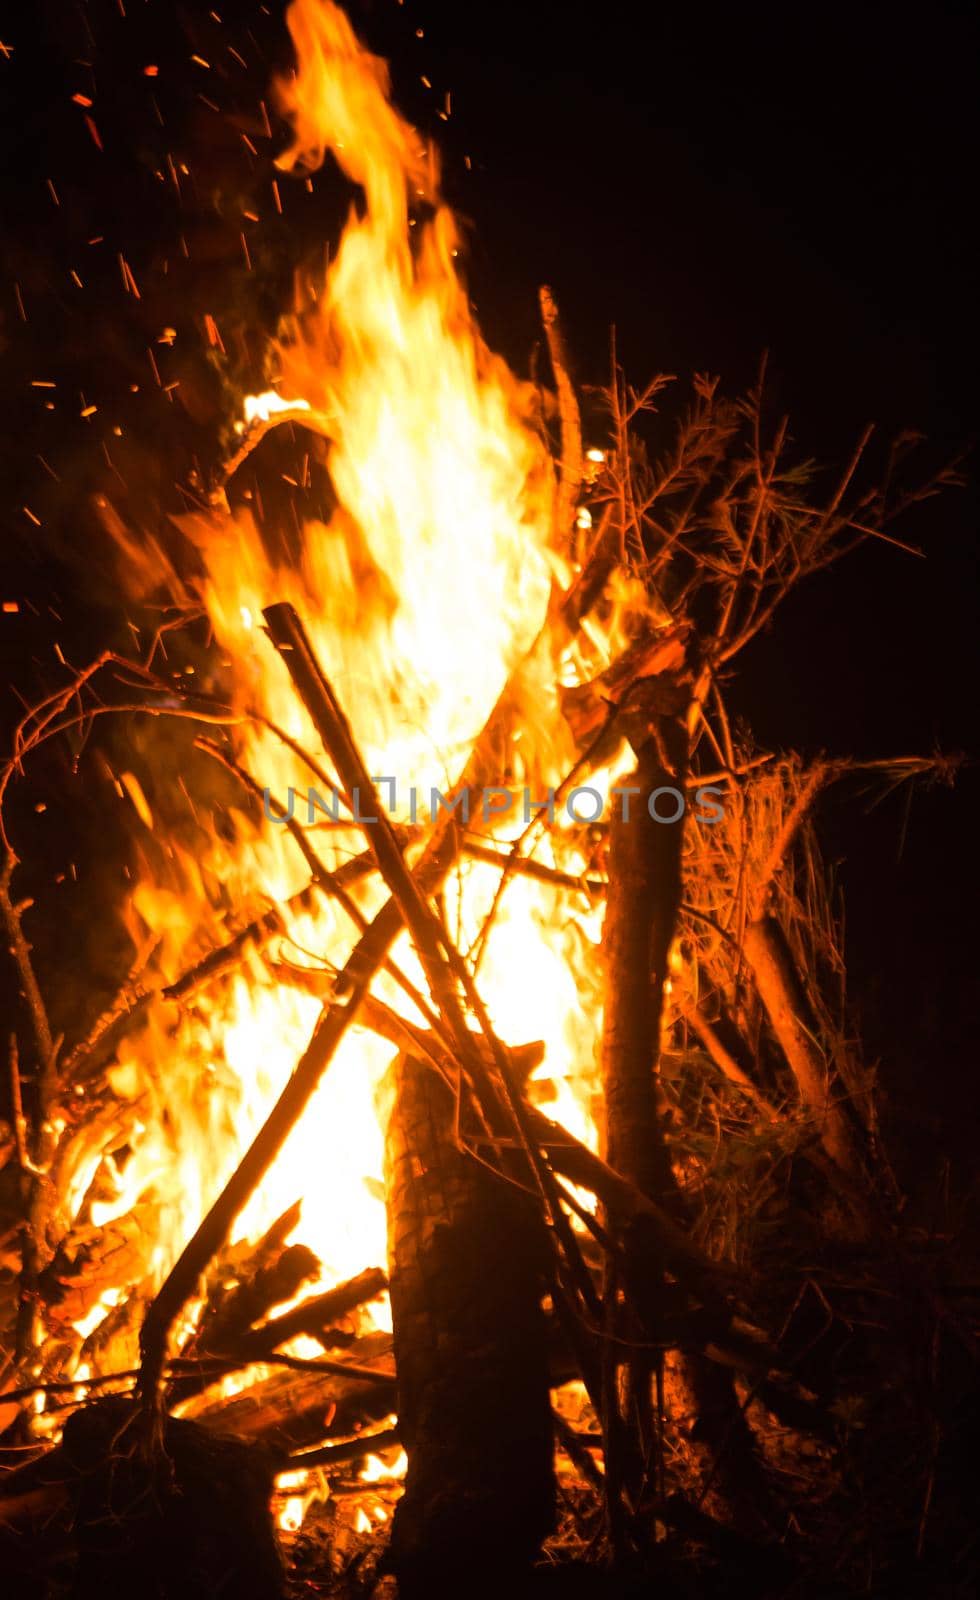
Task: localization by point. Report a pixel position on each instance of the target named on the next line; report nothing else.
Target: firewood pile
(649, 1332)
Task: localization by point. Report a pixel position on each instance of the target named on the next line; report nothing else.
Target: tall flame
(429, 581)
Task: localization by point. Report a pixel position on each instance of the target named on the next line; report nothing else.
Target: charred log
(271, 1273)
(107, 1519)
(641, 913)
(641, 916)
(470, 1344)
(316, 1317)
(295, 1410)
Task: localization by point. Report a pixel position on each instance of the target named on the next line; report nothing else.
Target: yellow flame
(428, 583)
(376, 1471)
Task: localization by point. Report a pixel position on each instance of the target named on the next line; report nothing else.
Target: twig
(335, 1455)
(21, 952)
(726, 1063)
(17, 1107)
(571, 423)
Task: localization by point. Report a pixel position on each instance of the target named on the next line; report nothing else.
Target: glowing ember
(263, 407)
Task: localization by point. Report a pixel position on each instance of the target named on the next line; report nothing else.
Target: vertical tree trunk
(641, 915)
(643, 899)
(644, 870)
(466, 1258)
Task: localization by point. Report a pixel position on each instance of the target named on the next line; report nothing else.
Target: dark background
(713, 180)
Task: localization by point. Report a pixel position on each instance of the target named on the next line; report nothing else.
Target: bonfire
(474, 1171)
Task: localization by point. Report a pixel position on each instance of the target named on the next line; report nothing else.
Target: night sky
(715, 181)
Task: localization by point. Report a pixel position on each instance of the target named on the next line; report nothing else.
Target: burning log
(272, 1273)
(315, 1316)
(294, 1410)
(467, 1261)
(656, 1236)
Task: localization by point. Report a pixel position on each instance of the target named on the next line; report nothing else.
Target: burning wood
(316, 1070)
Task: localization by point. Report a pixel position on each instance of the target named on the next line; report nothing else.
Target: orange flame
(425, 587)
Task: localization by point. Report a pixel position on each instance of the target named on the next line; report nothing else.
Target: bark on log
(474, 1409)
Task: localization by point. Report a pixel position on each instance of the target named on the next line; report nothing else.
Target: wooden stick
(726, 1063)
(314, 1315)
(253, 434)
(527, 867)
(44, 1044)
(792, 1021)
(337, 1455)
(570, 475)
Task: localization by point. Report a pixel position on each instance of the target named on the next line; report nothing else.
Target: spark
(129, 282)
